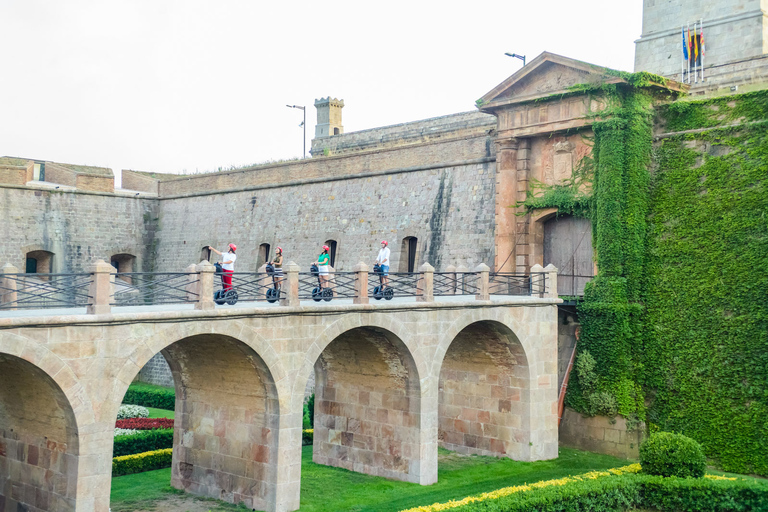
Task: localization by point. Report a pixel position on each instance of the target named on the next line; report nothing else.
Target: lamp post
(521, 57)
(304, 125)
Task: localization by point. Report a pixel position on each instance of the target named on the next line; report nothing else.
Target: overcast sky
(173, 86)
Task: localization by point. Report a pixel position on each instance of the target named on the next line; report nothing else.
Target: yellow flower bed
(139, 462)
(506, 491)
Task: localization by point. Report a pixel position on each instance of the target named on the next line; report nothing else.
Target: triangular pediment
(544, 76)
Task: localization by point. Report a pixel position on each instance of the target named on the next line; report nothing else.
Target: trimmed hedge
(144, 441)
(307, 436)
(140, 462)
(668, 454)
(625, 492)
(159, 398)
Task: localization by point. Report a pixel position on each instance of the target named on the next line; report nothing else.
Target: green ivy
(706, 354)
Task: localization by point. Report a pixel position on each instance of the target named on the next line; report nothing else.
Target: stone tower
(328, 117)
(735, 35)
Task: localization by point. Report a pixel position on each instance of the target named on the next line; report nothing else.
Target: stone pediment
(546, 75)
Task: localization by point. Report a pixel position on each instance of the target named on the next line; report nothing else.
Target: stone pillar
(451, 270)
(523, 249)
(506, 196)
(361, 283)
(538, 279)
(483, 282)
(8, 294)
(102, 288)
(290, 285)
(426, 284)
(550, 289)
(205, 273)
(461, 277)
(191, 287)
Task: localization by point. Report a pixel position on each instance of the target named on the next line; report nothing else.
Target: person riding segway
(381, 268)
(275, 271)
(227, 293)
(321, 269)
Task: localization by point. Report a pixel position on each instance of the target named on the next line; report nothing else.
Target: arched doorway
(568, 246)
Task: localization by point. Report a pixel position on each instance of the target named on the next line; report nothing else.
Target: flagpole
(682, 57)
(701, 27)
(690, 54)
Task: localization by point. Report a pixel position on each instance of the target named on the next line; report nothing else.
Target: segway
(273, 294)
(319, 293)
(222, 296)
(382, 291)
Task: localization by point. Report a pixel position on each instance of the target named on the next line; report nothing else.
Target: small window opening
(205, 254)
(124, 263)
(409, 248)
(335, 131)
(263, 256)
(332, 252)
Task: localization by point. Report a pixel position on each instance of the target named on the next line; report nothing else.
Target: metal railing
(255, 286)
(455, 283)
(403, 284)
(154, 288)
(511, 283)
(572, 285)
(340, 285)
(44, 291)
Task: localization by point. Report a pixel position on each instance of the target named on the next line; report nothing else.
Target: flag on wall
(701, 38)
(685, 44)
(695, 45)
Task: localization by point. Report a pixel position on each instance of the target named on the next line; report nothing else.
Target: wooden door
(568, 246)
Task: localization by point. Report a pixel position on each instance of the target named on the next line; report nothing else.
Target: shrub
(147, 461)
(160, 398)
(143, 441)
(132, 411)
(145, 423)
(307, 436)
(125, 431)
(617, 491)
(668, 454)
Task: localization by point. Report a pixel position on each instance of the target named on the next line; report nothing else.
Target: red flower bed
(145, 423)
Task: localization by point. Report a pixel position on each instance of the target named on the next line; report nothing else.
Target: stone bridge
(393, 382)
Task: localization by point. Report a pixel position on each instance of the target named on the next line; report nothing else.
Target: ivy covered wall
(675, 325)
(705, 352)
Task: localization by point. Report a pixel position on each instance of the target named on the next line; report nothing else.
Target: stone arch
(485, 384)
(227, 409)
(349, 322)
(368, 402)
(39, 434)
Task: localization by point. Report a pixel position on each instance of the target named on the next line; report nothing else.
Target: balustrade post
(205, 274)
(291, 287)
(361, 284)
(537, 279)
(461, 276)
(8, 294)
(102, 288)
(483, 282)
(451, 270)
(550, 290)
(426, 285)
(191, 287)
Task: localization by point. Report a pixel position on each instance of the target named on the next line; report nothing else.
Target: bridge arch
(368, 398)
(485, 385)
(40, 399)
(227, 427)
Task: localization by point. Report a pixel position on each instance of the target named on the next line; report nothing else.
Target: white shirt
(383, 257)
(228, 256)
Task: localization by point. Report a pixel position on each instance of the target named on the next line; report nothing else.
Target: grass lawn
(144, 385)
(325, 488)
(160, 413)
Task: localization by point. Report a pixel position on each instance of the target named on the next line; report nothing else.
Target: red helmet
(384, 242)
(233, 247)
(326, 248)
